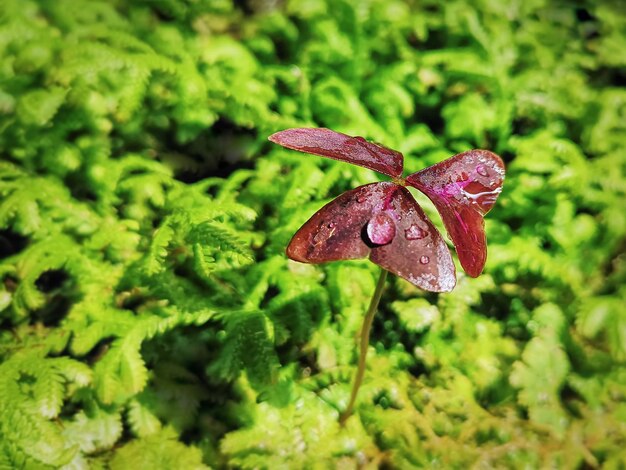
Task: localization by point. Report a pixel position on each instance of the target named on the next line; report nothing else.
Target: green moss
(148, 314)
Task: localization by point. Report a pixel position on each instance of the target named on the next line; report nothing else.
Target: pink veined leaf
(464, 188)
(338, 146)
(381, 220)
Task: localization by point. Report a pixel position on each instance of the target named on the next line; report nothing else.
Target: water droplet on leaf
(360, 199)
(414, 233)
(381, 229)
(424, 259)
(481, 170)
(331, 225)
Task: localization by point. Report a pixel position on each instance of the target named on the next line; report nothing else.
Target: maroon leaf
(384, 221)
(464, 188)
(342, 147)
(418, 252)
(335, 232)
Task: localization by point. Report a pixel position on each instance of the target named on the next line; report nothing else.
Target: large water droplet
(481, 170)
(381, 229)
(414, 232)
(424, 259)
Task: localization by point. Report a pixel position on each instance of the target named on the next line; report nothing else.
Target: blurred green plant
(149, 316)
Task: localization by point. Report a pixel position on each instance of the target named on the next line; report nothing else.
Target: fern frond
(248, 346)
(158, 251)
(122, 372)
(32, 390)
(539, 380)
(94, 430)
(305, 182)
(141, 420)
(46, 255)
(37, 108)
(221, 237)
(160, 450)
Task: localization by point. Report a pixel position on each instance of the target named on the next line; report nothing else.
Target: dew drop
(481, 170)
(424, 259)
(381, 229)
(414, 233)
(331, 225)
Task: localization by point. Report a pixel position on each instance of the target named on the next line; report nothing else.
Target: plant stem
(365, 339)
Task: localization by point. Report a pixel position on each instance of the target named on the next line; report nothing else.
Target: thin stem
(365, 339)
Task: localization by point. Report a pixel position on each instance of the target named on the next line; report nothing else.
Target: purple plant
(383, 220)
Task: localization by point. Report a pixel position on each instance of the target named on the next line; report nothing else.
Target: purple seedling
(383, 221)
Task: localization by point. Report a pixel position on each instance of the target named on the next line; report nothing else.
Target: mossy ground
(149, 316)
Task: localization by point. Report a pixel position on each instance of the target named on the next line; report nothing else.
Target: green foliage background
(149, 317)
